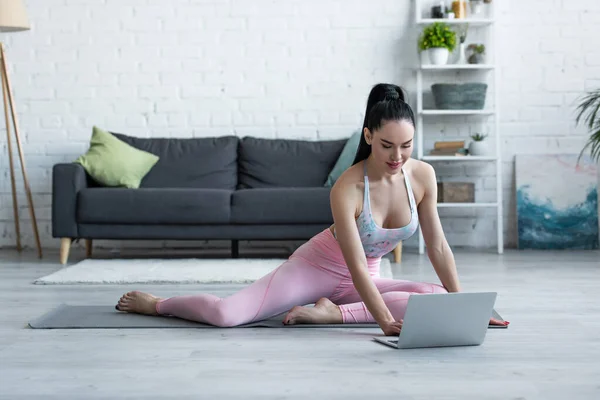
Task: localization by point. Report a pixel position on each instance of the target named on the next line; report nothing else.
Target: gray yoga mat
(106, 317)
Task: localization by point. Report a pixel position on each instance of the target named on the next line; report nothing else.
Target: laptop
(444, 320)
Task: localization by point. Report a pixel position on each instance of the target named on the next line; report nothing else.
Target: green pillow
(345, 159)
(112, 162)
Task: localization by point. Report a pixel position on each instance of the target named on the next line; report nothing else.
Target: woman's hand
(494, 321)
(391, 328)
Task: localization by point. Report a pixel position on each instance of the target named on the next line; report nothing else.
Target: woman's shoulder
(350, 184)
(422, 178)
(352, 177)
(420, 170)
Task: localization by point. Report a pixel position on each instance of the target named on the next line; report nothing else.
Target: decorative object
(114, 163)
(450, 15)
(587, 110)
(557, 202)
(170, 271)
(438, 40)
(459, 7)
(478, 51)
(456, 192)
(487, 1)
(449, 148)
(13, 18)
(438, 11)
(478, 147)
(462, 36)
(476, 6)
(459, 96)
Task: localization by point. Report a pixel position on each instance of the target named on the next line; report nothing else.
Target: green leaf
(587, 112)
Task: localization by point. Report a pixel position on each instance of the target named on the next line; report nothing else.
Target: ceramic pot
(478, 148)
(476, 6)
(438, 55)
(476, 58)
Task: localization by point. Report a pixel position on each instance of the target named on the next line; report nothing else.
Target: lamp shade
(13, 16)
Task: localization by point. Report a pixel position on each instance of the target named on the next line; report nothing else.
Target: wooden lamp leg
(398, 253)
(8, 93)
(11, 165)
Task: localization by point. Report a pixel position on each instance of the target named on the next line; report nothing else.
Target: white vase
(478, 148)
(476, 6)
(462, 55)
(438, 55)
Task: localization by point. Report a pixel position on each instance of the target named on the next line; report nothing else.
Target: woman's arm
(438, 250)
(343, 206)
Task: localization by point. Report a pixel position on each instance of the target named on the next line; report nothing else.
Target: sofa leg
(398, 253)
(88, 248)
(65, 246)
(235, 249)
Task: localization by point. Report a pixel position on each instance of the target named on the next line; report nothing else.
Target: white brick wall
(291, 69)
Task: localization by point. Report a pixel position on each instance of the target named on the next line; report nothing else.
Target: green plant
(478, 137)
(588, 111)
(437, 34)
(477, 48)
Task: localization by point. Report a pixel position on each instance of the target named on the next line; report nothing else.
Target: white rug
(175, 271)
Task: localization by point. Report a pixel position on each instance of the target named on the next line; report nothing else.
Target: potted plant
(438, 40)
(589, 111)
(478, 147)
(477, 57)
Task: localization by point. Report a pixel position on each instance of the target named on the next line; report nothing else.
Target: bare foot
(324, 312)
(138, 302)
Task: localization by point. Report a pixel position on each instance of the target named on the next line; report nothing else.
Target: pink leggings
(316, 269)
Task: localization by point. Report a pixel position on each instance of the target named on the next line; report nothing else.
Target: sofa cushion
(345, 159)
(265, 163)
(189, 162)
(112, 162)
(281, 206)
(153, 206)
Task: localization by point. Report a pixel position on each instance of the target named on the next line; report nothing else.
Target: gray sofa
(225, 188)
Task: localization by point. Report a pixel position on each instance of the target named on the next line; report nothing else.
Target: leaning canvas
(557, 202)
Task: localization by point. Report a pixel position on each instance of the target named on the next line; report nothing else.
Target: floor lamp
(13, 18)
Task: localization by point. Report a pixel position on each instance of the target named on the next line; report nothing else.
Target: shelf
(459, 158)
(458, 21)
(457, 66)
(484, 25)
(457, 112)
(457, 205)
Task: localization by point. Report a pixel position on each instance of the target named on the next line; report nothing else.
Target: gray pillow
(267, 163)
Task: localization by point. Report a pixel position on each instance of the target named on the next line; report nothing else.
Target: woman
(376, 203)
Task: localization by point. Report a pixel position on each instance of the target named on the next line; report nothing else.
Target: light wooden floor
(550, 351)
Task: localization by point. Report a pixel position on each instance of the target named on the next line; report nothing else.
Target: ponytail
(386, 102)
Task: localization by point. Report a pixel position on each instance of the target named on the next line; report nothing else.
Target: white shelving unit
(492, 113)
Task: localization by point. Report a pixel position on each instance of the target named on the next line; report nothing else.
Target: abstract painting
(557, 202)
